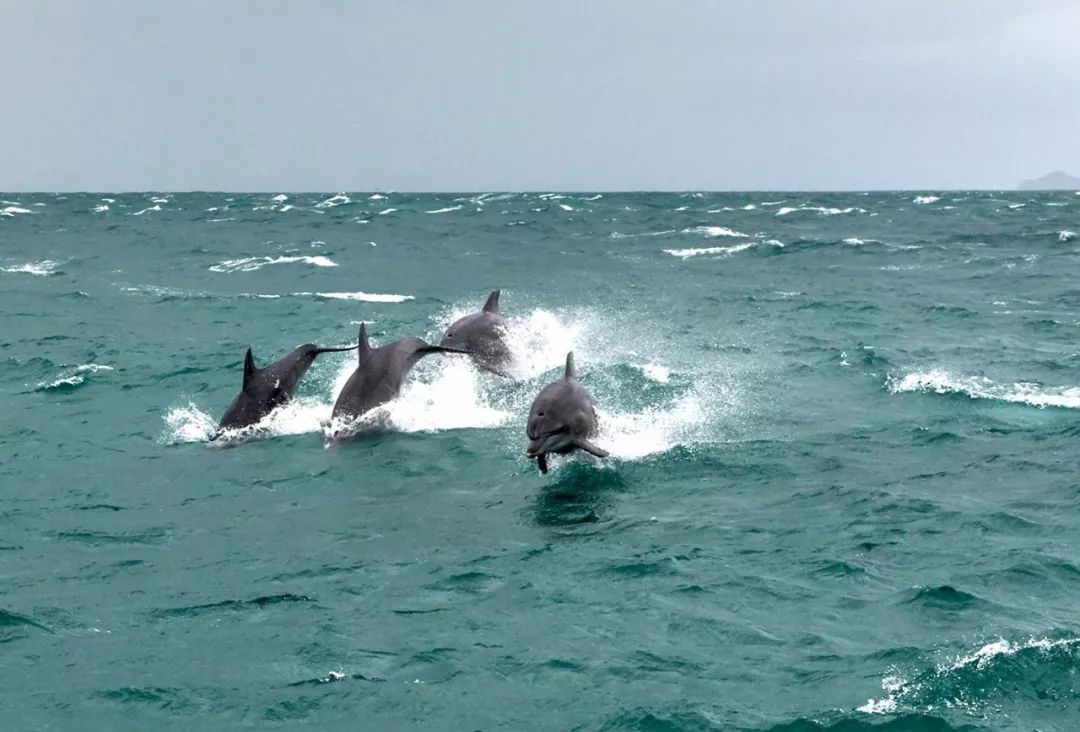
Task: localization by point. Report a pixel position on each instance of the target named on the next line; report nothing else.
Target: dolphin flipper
(591, 448)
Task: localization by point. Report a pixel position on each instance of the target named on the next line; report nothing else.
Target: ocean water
(842, 494)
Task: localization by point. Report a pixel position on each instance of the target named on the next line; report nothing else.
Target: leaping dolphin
(561, 419)
(483, 335)
(269, 387)
(380, 373)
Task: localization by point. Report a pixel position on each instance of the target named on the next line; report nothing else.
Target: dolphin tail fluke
(541, 462)
(249, 367)
(492, 304)
(570, 372)
(591, 448)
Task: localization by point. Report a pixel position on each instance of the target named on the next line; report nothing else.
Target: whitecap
(714, 231)
(444, 210)
(249, 264)
(101, 207)
(376, 197)
(977, 387)
(564, 207)
(699, 251)
(335, 200)
(893, 686)
(73, 377)
(387, 211)
(983, 657)
(593, 198)
(1066, 235)
(43, 268)
(360, 296)
(784, 211)
(155, 207)
(12, 210)
(923, 200)
(280, 198)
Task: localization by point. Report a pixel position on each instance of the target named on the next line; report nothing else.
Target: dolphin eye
(539, 414)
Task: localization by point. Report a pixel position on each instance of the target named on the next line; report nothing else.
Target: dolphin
(269, 387)
(380, 373)
(561, 419)
(483, 335)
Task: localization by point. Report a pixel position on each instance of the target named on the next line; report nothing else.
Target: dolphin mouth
(544, 444)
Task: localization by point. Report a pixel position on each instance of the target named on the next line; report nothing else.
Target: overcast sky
(527, 95)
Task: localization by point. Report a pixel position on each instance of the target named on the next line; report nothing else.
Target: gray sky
(526, 95)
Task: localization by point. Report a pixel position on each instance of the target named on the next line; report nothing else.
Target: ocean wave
(43, 268)
(250, 264)
(1037, 668)
(820, 209)
(155, 207)
(72, 378)
(13, 210)
(923, 200)
(448, 209)
(387, 211)
(564, 207)
(715, 231)
(101, 208)
(977, 387)
(280, 198)
(359, 296)
(335, 200)
(733, 249)
(1066, 235)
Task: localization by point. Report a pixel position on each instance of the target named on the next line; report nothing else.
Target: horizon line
(581, 191)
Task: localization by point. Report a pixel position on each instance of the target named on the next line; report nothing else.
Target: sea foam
(250, 264)
(976, 387)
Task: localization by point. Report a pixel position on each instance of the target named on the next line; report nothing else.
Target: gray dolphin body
(269, 387)
(380, 373)
(483, 335)
(561, 419)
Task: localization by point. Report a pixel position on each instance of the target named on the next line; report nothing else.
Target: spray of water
(450, 393)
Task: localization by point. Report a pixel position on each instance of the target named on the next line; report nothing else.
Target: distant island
(1052, 182)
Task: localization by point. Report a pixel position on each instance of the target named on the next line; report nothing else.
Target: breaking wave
(42, 269)
(1001, 671)
(71, 379)
(978, 387)
(250, 264)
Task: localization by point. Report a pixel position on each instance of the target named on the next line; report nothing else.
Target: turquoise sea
(843, 492)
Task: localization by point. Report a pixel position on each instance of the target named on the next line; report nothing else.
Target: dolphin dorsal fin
(570, 373)
(492, 304)
(363, 346)
(249, 367)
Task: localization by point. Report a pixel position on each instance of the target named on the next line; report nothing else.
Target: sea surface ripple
(842, 494)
